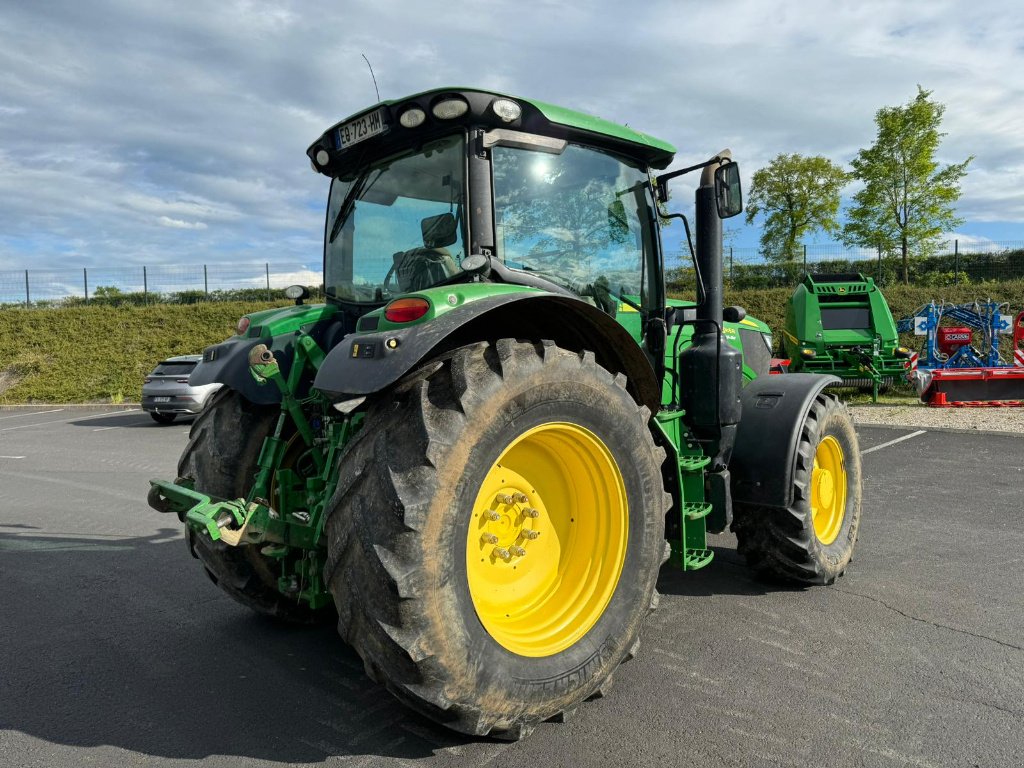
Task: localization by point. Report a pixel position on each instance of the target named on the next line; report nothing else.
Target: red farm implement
(960, 363)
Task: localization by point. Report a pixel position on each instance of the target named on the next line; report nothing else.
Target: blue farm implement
(954, 370)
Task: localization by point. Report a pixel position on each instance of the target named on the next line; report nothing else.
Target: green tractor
(478, 453)
(840, 324)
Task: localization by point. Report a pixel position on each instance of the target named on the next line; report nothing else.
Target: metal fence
(955, 264)
(144, 285)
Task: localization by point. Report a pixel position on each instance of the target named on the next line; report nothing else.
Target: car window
(173, 369)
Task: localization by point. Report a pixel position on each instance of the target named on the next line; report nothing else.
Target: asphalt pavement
(116, 650)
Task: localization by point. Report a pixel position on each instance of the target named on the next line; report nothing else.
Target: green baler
(840, 324)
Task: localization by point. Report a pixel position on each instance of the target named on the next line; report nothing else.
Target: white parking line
(31, 413)
(12, 457)
(892, 442)
(58, 421)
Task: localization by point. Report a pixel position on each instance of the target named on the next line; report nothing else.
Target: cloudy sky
(136, 132)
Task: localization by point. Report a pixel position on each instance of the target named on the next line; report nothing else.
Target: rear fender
(228, 362)
(365, 363)
(763, 461)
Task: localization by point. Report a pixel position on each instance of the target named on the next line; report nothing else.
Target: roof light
(406, 310)
(449, 109)
(508, 110)
(322, 158)
(412, 117)
(243, 326)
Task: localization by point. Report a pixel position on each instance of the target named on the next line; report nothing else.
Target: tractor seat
(420, 268)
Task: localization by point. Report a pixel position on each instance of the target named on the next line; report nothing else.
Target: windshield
(396, 226)
(580, 219)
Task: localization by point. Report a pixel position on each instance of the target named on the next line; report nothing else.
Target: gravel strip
(913, 415)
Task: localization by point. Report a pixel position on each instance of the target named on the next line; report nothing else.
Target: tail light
(406, 310)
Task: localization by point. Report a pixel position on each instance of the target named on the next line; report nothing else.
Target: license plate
(361, 128)
(161, 399)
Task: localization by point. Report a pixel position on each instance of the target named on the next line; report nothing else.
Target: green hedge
(102, 353)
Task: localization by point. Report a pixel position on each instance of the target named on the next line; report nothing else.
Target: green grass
(101, 353)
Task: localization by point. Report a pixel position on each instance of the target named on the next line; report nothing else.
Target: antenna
(372, 75)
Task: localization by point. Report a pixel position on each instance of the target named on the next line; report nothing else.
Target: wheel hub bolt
(516, 550)
(503, 498)
(531, 535)
(520, 498)
(531, 512)
(489, 538)
(501, 552)
(493, 515)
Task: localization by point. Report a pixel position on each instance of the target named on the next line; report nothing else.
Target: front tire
(221, 458)
(812, 541)
(496, 535)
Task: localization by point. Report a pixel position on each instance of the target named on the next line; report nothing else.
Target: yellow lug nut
(492, 514)
(531, 535)
(489, 538)
(516, 550)
(531, 512)
(503, 498)
(520, 498)
(501, 552)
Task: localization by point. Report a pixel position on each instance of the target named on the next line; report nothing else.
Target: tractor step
(695, 559)
(697, 510)
(693, 463)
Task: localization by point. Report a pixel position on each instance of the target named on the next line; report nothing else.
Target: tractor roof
(536, 117)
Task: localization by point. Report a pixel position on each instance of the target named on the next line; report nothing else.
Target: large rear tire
(812, 541)
(496, 535)
(221, 458)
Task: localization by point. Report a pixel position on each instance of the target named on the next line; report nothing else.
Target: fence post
(145, 287)
(85, 283)
(28, 298)
(731, 270)
(267, 265)
(878, 278)
(206, 283)
(805, 258)
(956, 262)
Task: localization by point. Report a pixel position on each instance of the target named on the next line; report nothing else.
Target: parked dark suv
(167, 393)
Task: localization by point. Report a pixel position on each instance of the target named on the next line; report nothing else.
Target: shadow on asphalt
(130, 420)
(124, 642)
(727, 574)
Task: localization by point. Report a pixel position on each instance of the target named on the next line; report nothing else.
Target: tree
(796, 195)
(907, 200)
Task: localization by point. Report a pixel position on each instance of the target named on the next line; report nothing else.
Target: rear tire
(465, 636)
(162, 418)
(812, 541)
(221, 458)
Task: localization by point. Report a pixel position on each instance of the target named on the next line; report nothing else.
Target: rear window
(173, 369)
(845, 318)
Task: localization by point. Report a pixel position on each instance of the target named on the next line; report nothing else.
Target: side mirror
(439, 231)
(728, 191)
(297, 293)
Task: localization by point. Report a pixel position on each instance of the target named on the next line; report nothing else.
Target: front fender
(365, 363)
(763, 462)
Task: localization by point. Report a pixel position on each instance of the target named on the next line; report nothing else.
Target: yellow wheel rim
(547, 539)
(828, 490)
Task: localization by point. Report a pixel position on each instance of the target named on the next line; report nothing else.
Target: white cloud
(166, 221)
(118, 113)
